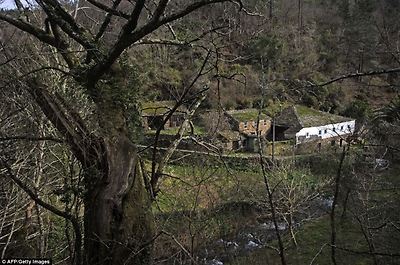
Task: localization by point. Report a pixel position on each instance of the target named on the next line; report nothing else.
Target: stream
(258, 236)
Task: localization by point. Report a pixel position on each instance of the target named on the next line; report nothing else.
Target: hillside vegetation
(296, 47)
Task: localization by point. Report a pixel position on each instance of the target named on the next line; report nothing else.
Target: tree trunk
(118, 219)
(118, 222)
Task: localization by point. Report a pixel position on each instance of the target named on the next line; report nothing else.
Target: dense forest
(83, 181)
(301, 44)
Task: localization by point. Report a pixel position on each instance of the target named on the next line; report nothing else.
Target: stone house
(245, 122)
(153, 114)
(229, 140)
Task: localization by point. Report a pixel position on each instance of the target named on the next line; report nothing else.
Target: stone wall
(250, 127)
(321, 145)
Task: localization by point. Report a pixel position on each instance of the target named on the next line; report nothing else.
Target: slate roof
(311, 117)
(301, 117)
(229, 135)
(247, 115)
(159, 108)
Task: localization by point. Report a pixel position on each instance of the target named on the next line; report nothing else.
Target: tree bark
(118, 222)
(118, 219)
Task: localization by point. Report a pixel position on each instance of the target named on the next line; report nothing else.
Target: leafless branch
(31, 138)
(34, 196)
(110, 10)
(357, 74)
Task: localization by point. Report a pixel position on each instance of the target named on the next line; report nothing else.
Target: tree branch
(107, 21)
(160, 10)
(127, 37)
(65, 16)
(49, 207)
(62, 46)
(31, 193)
(161, 42)
(172, 111)
(357, 74)
(133, 20)
(109, 10)
(334, 204)
(74, 135)
(67, 23)
(31, 138)
(189, 9)
(172, 147)
(29, 28)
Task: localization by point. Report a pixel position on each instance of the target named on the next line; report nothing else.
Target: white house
(304, 124)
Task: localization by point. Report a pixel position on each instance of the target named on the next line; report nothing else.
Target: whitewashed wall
(327, 131)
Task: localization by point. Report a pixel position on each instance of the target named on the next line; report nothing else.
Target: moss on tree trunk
(118, 219)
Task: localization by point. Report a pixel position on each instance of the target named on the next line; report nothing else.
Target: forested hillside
(301, 44)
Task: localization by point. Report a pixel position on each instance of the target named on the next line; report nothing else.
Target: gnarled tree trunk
(118, 218)
(118, 222)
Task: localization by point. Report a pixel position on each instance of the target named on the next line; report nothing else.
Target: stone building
(229, 140)
(245, 122)
(154, 113)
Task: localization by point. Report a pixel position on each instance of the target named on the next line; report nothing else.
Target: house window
(236, 145)
(341, 128)
(349, 127)
(320, 132)
(325, 131)
(307, 135)
(334, 129)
